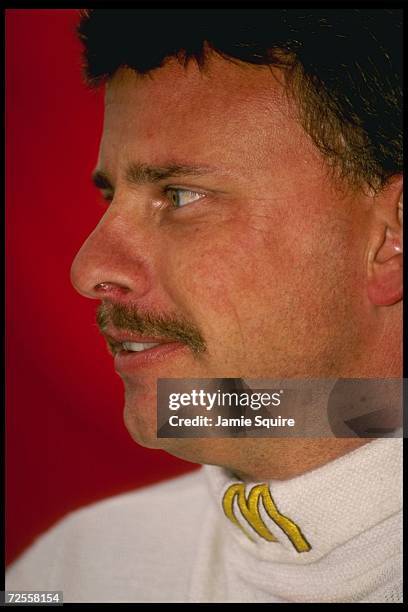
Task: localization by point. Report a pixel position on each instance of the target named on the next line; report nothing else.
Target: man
(252, 167)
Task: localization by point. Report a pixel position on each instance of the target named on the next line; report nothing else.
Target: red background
(66, 442)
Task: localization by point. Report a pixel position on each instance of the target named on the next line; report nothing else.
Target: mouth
(129, 343)
(132, 353)
(137, 347)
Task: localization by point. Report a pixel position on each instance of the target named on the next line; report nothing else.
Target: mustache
(127, 317)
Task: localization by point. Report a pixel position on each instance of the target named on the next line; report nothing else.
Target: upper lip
(118, 337)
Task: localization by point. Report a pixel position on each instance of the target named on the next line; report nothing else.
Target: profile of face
(226, 240)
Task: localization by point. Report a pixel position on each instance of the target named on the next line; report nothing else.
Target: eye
(181, 197)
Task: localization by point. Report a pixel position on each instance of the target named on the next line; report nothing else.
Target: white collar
(325, 507)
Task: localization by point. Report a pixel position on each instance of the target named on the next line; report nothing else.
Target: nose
(113, 261)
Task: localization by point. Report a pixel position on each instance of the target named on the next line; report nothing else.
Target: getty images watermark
(218, 401)
(231, 407)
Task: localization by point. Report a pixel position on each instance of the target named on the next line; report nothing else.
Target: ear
(384, 286)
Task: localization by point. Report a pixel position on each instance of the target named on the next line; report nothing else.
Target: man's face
(257, 252)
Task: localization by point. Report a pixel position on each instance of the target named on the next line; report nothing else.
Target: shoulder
(146, 502)
(115, 543)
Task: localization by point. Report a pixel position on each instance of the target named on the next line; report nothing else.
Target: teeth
(138, 346)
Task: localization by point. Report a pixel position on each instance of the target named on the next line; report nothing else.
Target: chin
(143, 432)
(140, 419)
(141, 426)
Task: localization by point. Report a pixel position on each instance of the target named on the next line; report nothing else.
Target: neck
(287, 458)
(281, 459)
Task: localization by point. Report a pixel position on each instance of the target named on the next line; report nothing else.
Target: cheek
(269, 279)
(242, 263)
(220, 274)
(215, 281)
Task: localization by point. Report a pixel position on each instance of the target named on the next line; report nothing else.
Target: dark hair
(343, 67)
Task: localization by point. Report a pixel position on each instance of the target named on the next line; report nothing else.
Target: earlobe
(385, 272)
(385, 283)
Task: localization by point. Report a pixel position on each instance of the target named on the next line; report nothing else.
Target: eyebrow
(142, 174)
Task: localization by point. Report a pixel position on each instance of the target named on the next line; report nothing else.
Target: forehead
(226, 111)
(219, 80)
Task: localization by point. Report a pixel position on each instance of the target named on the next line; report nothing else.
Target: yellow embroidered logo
(249, 508)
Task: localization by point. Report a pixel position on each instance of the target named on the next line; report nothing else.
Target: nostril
(103, 287)
(111, 288)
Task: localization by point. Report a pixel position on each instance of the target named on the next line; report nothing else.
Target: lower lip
(127, 361)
